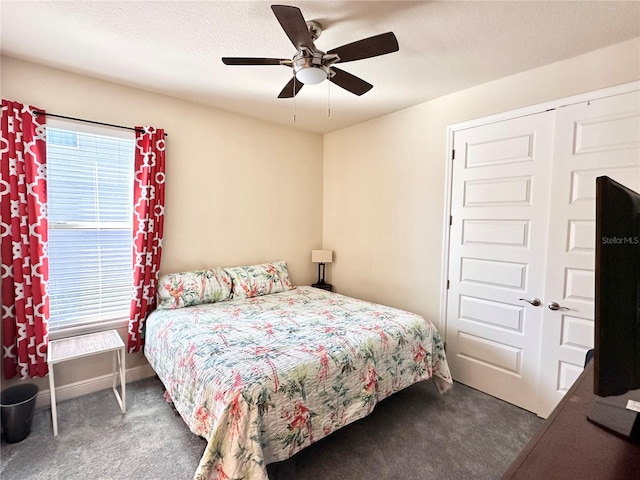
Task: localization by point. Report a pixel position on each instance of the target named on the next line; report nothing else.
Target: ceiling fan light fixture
(311, 75)
(308, 66)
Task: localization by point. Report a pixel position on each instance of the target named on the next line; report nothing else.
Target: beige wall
(384, 180)
(238, 190)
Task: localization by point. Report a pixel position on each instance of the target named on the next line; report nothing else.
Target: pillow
(262, 279)
(177, 290)
(284, 275)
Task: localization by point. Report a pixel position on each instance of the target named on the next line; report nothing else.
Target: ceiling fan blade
(291, 89)
(350, 82)
(294, 25)
(254, 61)
(367, 47)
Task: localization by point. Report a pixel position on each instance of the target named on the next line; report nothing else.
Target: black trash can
(17, 405)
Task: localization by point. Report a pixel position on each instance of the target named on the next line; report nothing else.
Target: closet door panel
(497, 256)
(600, 137)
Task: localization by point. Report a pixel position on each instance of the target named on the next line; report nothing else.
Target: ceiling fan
(311, 65)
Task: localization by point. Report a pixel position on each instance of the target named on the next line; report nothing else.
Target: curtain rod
(40, 112)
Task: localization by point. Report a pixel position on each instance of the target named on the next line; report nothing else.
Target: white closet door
(500, 209)
(601, 137)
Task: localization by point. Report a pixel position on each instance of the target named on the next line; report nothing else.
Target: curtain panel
(148, 228)
(23, 233)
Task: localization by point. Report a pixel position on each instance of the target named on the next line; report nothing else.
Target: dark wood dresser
(568, 446)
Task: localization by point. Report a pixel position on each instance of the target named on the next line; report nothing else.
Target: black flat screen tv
(617, 310)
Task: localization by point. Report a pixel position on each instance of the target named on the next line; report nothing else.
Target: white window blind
(90, 201)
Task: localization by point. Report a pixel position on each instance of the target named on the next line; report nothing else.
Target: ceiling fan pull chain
(294, 98)
(329, 99)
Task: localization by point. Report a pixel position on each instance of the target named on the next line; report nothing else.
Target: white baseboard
(95, 384)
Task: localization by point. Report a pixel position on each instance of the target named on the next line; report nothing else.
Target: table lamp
(322, 257)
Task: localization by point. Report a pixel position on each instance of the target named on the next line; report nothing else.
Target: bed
(263, 372)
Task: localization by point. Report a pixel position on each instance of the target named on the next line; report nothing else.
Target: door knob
(534, 301)
(555, 306)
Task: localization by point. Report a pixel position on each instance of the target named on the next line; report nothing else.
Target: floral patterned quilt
(261, 378)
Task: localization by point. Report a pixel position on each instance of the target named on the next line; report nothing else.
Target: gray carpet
(415, 434)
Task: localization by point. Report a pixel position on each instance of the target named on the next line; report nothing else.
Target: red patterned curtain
(23, 230)
(148, 226)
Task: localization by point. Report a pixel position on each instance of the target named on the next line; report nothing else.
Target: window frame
(117, 322)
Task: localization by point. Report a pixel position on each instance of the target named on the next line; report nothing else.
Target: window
(90, 201)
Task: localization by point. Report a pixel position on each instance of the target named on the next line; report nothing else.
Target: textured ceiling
(174, 47)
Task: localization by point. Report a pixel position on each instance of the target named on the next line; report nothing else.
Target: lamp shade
(321, 256)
